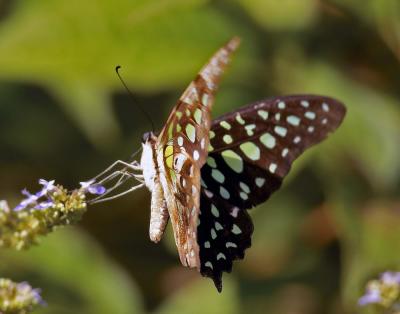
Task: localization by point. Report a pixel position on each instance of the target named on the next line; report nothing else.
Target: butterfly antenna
(117, 68)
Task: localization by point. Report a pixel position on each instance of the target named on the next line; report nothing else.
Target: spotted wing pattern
(251, 151)
(182, 151)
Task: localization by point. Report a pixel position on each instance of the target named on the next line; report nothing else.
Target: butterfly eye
(146, 137)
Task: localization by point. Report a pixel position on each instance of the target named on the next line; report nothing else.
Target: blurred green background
(64, 115)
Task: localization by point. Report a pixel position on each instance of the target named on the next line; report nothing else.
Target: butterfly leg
(159, 212)
(100, 200)
(133, 166)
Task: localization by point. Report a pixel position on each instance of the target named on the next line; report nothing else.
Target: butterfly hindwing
(251, 151)
(182, 151)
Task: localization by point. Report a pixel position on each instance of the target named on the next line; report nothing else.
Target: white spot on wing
(234, 212)
(208, 193)
(220, 256)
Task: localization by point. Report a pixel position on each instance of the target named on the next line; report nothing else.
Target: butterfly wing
(182, 151)
(251, 151)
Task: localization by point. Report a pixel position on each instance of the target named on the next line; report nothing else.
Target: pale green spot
(244, 187)
(277, 116)
(230, 244)
(187, 112)
(211, 134)
(225, 125)
(207, 244)
(233, 160)
(224, 193)
(214, 211)
(263, 114)
(240, 119)
(293, 120)
(211, 162)
(210, 148)
(305, 103)
(280, 130)
(310, 115)
(187, 100)
(208, 264)
(197, 116)
(218, 226)
(191, 132)
(249, 129)
(218, 176)
(243, 195)
(281, 105)
(213, 234)
(260, 182)
(236, 229)
(227, 139)
(250, 150)
(205, 99)
(272, 167)
(178, 114)
(180, 140)
(268, 140)
(203, 184)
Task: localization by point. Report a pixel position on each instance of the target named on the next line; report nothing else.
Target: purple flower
(390, 278)
(29, 200)
(373, 295)
(97, 189)
(25, 289)
(48, 186)
(93, 188)
(44, 205)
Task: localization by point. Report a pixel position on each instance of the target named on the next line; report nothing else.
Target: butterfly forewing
(182, 150)
(251, 151)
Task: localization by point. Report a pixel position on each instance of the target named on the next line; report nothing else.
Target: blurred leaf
(370, 247)
(55, 44)
(384, 14)
(75, 275)
(201, 297)
(276, 229)
(281, 15)
(371, 129)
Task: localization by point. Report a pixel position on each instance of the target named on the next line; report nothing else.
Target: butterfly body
(204, 174)
(158, 209)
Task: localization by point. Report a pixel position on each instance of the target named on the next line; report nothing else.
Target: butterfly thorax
(148, 160)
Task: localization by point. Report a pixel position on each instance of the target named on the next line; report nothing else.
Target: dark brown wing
(251, 151)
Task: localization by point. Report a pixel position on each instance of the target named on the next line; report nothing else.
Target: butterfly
(205, 174)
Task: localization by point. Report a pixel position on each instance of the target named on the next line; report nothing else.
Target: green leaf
(201, 297)
(281, 15)
(75, 275)
(73, 48)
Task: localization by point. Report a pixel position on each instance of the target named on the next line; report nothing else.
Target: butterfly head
(148, 137)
